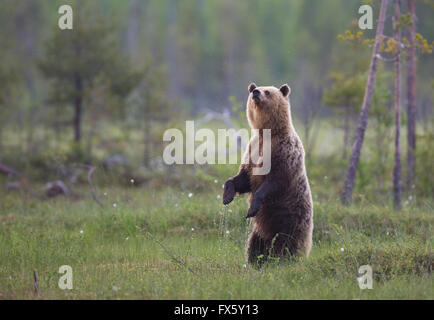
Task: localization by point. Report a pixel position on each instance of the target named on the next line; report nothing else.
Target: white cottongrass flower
(127, 238)
(244, 265)
(192, 229)
(229, 210)
(215, 181)
(342, 249)
(190, 195)
(81, 231)
(218, 196)
(115, 288)
(105, 193)
(132, 180)
(114, 205)
(227, 231)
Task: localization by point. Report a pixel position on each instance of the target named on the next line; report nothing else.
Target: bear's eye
(267, 93)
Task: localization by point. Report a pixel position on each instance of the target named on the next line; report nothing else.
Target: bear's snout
(256, 95)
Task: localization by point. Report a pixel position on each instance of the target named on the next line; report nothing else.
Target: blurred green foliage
(151, 65)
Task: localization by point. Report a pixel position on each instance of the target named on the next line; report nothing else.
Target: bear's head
(269, 108)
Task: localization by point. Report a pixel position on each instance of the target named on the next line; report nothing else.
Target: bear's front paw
(229, 192)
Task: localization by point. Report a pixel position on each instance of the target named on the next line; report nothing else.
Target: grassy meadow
(169, 243)
(166, 235)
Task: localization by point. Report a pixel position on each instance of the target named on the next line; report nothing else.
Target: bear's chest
(254, 159)
(255, 182)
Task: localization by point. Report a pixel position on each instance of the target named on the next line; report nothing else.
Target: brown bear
(280, 201)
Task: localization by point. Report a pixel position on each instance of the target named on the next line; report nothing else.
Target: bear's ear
(252, 87)
(285, 89)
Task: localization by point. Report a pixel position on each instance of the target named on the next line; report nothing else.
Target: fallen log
(6, 170)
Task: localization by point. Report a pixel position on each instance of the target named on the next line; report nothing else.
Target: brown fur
(281, 201)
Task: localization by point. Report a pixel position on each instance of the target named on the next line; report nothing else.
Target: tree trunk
(78, 104)
(78, 100)
(363, 119)
(306, 125)
(147, 153)
(397, 164)
(171, 58)
(133, 29)
(411, 97)
(346, 130)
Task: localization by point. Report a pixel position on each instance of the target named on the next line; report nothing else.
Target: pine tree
(411, 96)
(76, 59)
(397, 163)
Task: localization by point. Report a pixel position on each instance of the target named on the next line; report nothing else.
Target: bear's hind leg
(283, 246)
(256, 249)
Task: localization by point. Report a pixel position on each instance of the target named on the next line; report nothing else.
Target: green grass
(165, 245)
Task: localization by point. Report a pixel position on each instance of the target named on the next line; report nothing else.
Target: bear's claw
(251, 213)
(254, 208)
